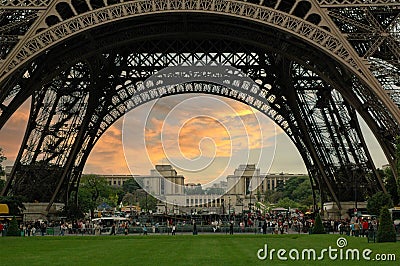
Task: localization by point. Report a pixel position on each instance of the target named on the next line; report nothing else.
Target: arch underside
(84, 85)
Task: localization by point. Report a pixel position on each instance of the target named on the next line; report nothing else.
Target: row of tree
(94, 190)
(295, 193)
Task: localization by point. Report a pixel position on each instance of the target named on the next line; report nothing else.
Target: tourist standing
(144, 230)
(264, 228)
(173, 229)
(194, 228)
(113, 229)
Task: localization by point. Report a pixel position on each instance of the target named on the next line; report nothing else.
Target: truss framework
(71, 113)
(50, 50)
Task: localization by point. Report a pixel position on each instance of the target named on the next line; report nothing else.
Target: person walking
(113, 229)
(231, 228)
(173, 229)
(264, 228)
(62, 229)
(194, 228)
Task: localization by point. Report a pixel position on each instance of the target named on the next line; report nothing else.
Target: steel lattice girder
(315, 90)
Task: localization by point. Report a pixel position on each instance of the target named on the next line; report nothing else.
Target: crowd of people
(270, 223)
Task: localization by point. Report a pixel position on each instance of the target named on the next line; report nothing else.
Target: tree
(276, 196)
(37, 181)
(148, 202)
(397, 170)
(92, 190)
(15, 204)
(291, 185)
(398, 187)
(2, 184)
(196, 190)
(299, 190)
(377, 201)
(267, 197)
(129, 199)
(72, 211)
(280, 186)
(287, 203)
(318, 226)
(397, 155)
(13, 229)
(2, 159)
(386, 232)
(130, 186)
(391, 185)
(214, 191)
(258, 195)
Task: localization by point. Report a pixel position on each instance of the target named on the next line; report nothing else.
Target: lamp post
(250, 197)
(130, 207)
(354, 169)
(146, 203)
(229, 208)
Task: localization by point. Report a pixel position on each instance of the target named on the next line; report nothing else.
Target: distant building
(7, 172)
(241, 189)
(273, 181)
(164, 180)
(117, 180)
(247, 183)
(192, 185)
(243, 179)
(222, 185)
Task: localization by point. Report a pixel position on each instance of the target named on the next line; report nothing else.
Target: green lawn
(178, 250)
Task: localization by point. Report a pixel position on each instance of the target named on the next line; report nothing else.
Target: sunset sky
(204, 137)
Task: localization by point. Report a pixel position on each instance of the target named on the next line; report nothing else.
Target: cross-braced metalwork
(317, 63)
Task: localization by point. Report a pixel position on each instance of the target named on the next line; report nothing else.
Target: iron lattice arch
(81, 64)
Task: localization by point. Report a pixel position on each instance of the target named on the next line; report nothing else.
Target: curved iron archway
(310, 91)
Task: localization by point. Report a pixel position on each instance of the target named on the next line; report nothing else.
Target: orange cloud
(197, 133)
(12, 133)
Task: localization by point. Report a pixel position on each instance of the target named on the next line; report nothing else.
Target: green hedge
(13, 229)
(318, 226)
(386, 232)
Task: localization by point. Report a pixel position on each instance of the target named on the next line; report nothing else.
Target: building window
(187, 202)
(247, 185)
(115, 182)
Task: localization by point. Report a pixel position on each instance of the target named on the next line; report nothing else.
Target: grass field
(179, 250)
